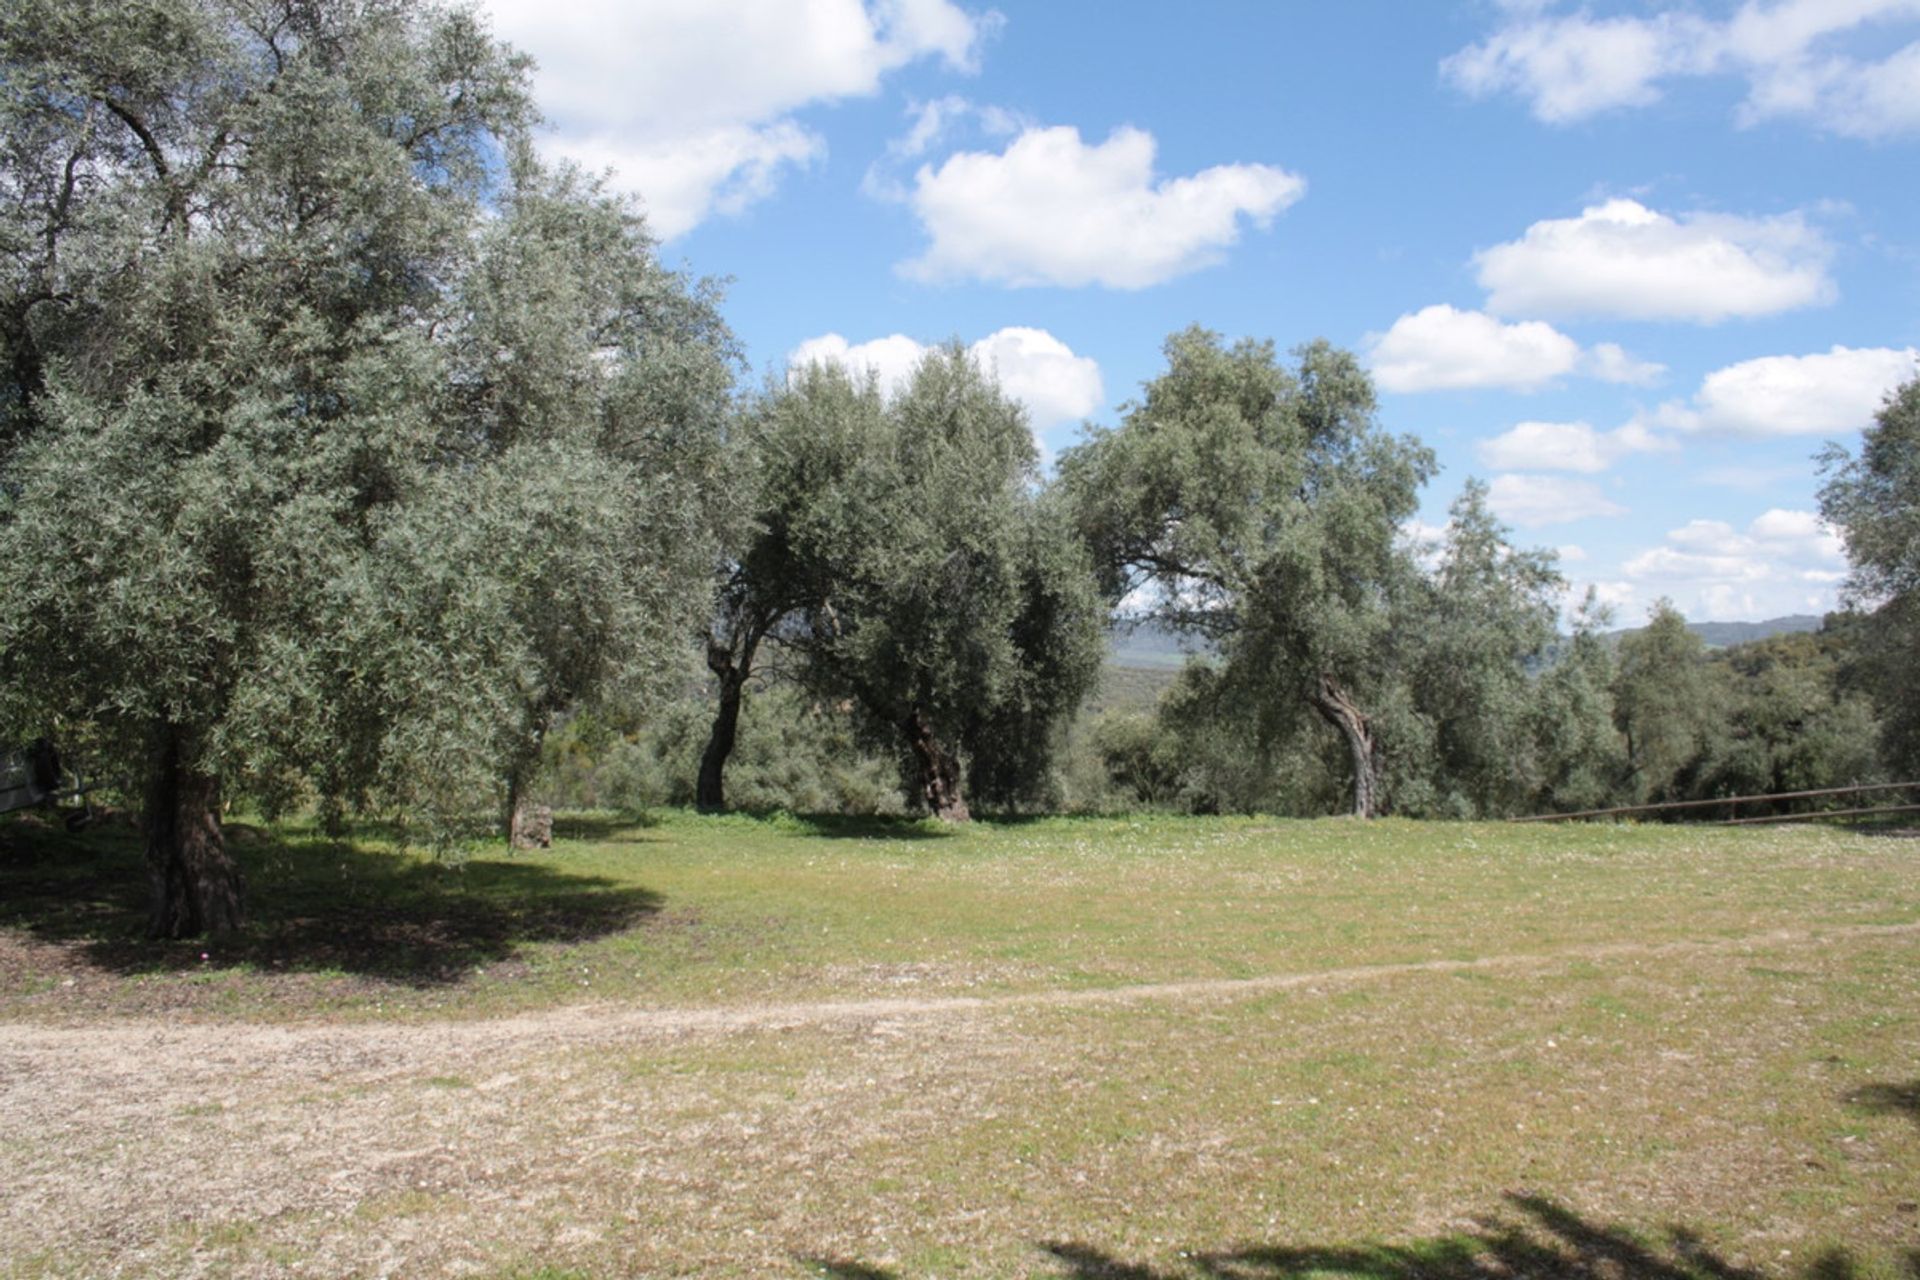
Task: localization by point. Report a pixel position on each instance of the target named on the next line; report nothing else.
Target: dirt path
(150, 1048)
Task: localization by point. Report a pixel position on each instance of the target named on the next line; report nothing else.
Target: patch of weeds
(33, 1266)
(1786, 975)
(1614, 1007)
(1342, 1065)
(936, 1260)
(1654, 1148)
(1520, 1067)
(1852, 1030)
(228, 1235)
(411, 1203)
(447, 1082)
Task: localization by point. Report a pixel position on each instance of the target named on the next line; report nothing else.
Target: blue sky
(1632, 264)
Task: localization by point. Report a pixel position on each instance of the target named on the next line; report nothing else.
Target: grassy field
(1148, 1049)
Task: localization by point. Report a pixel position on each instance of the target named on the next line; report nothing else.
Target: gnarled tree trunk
(710, 788)
(1338, 709)
(939, 770)
(732, 663)
(528, 826)
(197, 888)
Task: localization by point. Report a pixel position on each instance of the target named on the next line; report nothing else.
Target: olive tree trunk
(939, 781)
(197, 888)
(732, 670)
(529, 826)
(1338, 709)
(710, 788)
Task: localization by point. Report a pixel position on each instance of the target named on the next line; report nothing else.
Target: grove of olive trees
(354, 460)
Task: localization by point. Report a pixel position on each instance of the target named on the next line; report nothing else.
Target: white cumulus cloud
(933, 121)
(683, 181)
(1782, 562)
(1053, 210)
(890, 360)
(1443, 348)
(1032, 365)
(1440, 347)
(1043, 373)
(1609, 362)
(1622, 259)
(1567, 446)
(1533, 501)
(1826, 394)
(1572, 67)
(1789, 53)
(691, 101)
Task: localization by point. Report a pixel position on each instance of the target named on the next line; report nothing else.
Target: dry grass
(1390, 1051)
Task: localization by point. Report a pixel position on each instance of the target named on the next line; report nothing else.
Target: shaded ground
(327, 920)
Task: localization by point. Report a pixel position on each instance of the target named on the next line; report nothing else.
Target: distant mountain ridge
(1148, 646)
(1721, 635)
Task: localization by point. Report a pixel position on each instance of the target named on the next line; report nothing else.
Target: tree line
(353, 457)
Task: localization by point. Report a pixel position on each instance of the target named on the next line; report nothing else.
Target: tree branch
(152, 144)
(176, 197)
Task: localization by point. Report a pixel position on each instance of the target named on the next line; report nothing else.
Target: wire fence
(1732, 806)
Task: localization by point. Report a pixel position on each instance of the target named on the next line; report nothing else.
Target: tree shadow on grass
(604, 828)
(1538, 1238)
(843, 826)
(1894, 1099)
(836, 1269)
(1897, 827)
(313, 905)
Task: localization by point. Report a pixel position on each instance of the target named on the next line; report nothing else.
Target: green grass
(729, 910)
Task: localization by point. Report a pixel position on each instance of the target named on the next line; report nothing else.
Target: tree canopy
(946, 597)
(342, 442)
(1261, 506)
(347, 450)
(1480, 728)
(1874, 499)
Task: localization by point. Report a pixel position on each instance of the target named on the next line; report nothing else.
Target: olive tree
(903, 552)
(1477, 633)
(333, 458)
(1669, 704)
(591, 390)
(1874, 499)
(810, 485)
(1260, 505)
(1581, 755)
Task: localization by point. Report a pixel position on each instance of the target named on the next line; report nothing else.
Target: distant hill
(1148, 646)
(1721, 635)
